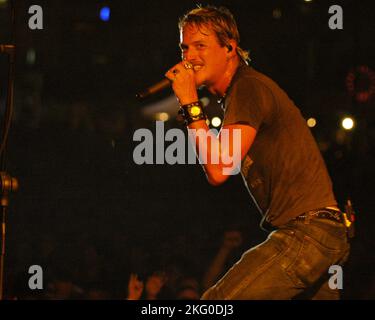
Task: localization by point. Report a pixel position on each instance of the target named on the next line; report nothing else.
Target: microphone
(157, 87)
(7, 48)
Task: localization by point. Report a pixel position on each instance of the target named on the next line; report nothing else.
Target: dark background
(71, 145)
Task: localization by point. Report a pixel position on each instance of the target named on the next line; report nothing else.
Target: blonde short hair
(220, 20)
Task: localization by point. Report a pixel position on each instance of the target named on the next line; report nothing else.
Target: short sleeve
(249, 102)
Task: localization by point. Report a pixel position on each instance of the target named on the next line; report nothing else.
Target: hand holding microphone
(181, 77)
(183, 82)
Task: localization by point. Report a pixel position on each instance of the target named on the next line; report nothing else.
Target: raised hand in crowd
(135, 287)
(232, 239)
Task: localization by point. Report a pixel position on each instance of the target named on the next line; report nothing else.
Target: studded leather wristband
(192, 112)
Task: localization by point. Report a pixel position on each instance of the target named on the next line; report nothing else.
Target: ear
(231, 48)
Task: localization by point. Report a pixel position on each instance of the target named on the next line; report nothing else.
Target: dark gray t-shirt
(283, 170)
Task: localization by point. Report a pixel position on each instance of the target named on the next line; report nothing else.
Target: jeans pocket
(311, 262)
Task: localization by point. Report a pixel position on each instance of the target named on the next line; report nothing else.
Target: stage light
(308, 0)
(216, 121)
(105, 13)
(205, 101)
(276, 13)
(30, 56)
(311, 122)
(162, 116)
(347, 123)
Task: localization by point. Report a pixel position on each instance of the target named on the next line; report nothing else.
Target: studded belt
(323, 213)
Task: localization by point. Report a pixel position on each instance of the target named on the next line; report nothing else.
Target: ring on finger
(188, 65)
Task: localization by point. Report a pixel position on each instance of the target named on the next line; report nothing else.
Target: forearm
(209, 150)
(216, 268)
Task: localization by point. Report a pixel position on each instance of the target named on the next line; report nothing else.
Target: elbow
(216, 179)
(215, 183)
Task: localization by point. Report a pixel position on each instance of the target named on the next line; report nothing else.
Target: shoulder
(249, 82)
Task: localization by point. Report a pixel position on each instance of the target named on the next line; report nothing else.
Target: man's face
(201, 48)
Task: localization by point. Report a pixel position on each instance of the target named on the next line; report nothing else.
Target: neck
(221, 88)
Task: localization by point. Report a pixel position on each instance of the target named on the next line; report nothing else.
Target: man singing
(280, 163)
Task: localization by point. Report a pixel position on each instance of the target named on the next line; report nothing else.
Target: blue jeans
(292, 263)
